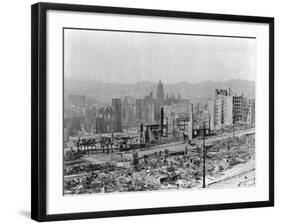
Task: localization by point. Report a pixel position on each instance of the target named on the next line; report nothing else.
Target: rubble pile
(156, 174)
(158, 171)
(72, 155)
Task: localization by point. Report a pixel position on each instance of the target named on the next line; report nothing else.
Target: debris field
(159, 171)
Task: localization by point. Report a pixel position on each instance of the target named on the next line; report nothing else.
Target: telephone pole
(204, 159)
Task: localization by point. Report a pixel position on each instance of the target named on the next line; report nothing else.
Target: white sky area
(130, 57)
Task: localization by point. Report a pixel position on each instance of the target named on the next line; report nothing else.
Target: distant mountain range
(105, 91)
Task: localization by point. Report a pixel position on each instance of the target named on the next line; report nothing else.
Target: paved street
(177, 147)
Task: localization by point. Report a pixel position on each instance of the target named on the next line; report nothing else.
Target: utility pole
(141, 136)
(147, 137)
(204, 159)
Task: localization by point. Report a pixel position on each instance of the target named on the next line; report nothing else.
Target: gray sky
(125, 57)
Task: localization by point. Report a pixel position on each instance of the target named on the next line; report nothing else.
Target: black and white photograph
(152, 111)
(139, 111)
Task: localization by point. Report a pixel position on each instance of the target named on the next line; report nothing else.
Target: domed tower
(160, 90)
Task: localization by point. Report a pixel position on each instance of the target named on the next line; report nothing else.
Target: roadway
(180, 146)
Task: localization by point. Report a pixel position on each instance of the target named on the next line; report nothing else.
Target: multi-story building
(198, 107)
(149, 112)
(128, 107)
(90, 118)
(228, 110)
(157, 109)
(223, 108)
(183, 122)
(104, 120)
(220, 95)
(248, 111)
(253, 111)
(139, 108)
(160, 91)
(237, 108)
(117, 110)
(211, 110)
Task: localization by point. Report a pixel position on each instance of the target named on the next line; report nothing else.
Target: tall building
(182, 120)
(211, 110)
(198, 108)
(223, 108)
(160, 91)
(237, 108)
(139, 108)
(219, 105)
(128, 109)
(190, 123)
(90, 117)
(149, 112)
(253, 111)
(248, 111)
(228, 110)
(104, 120)
(157, 110)
(117, 111)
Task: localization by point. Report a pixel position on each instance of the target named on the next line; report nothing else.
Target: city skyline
(156, 81)
(171, 129)
(136, 57)
(106, 91)
(114, 143)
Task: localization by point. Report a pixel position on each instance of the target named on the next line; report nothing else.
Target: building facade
(237, 108)
(223, 108)
(211, 110)
(160, 91)
(104, 120)
(117, 111)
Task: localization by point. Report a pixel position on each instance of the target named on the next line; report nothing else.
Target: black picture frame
(39, 107)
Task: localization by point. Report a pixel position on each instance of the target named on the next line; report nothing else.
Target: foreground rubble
(158, 172)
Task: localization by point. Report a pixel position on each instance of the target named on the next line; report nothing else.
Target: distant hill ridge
(106, 91)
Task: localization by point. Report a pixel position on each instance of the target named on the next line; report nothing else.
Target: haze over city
(135, 57)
